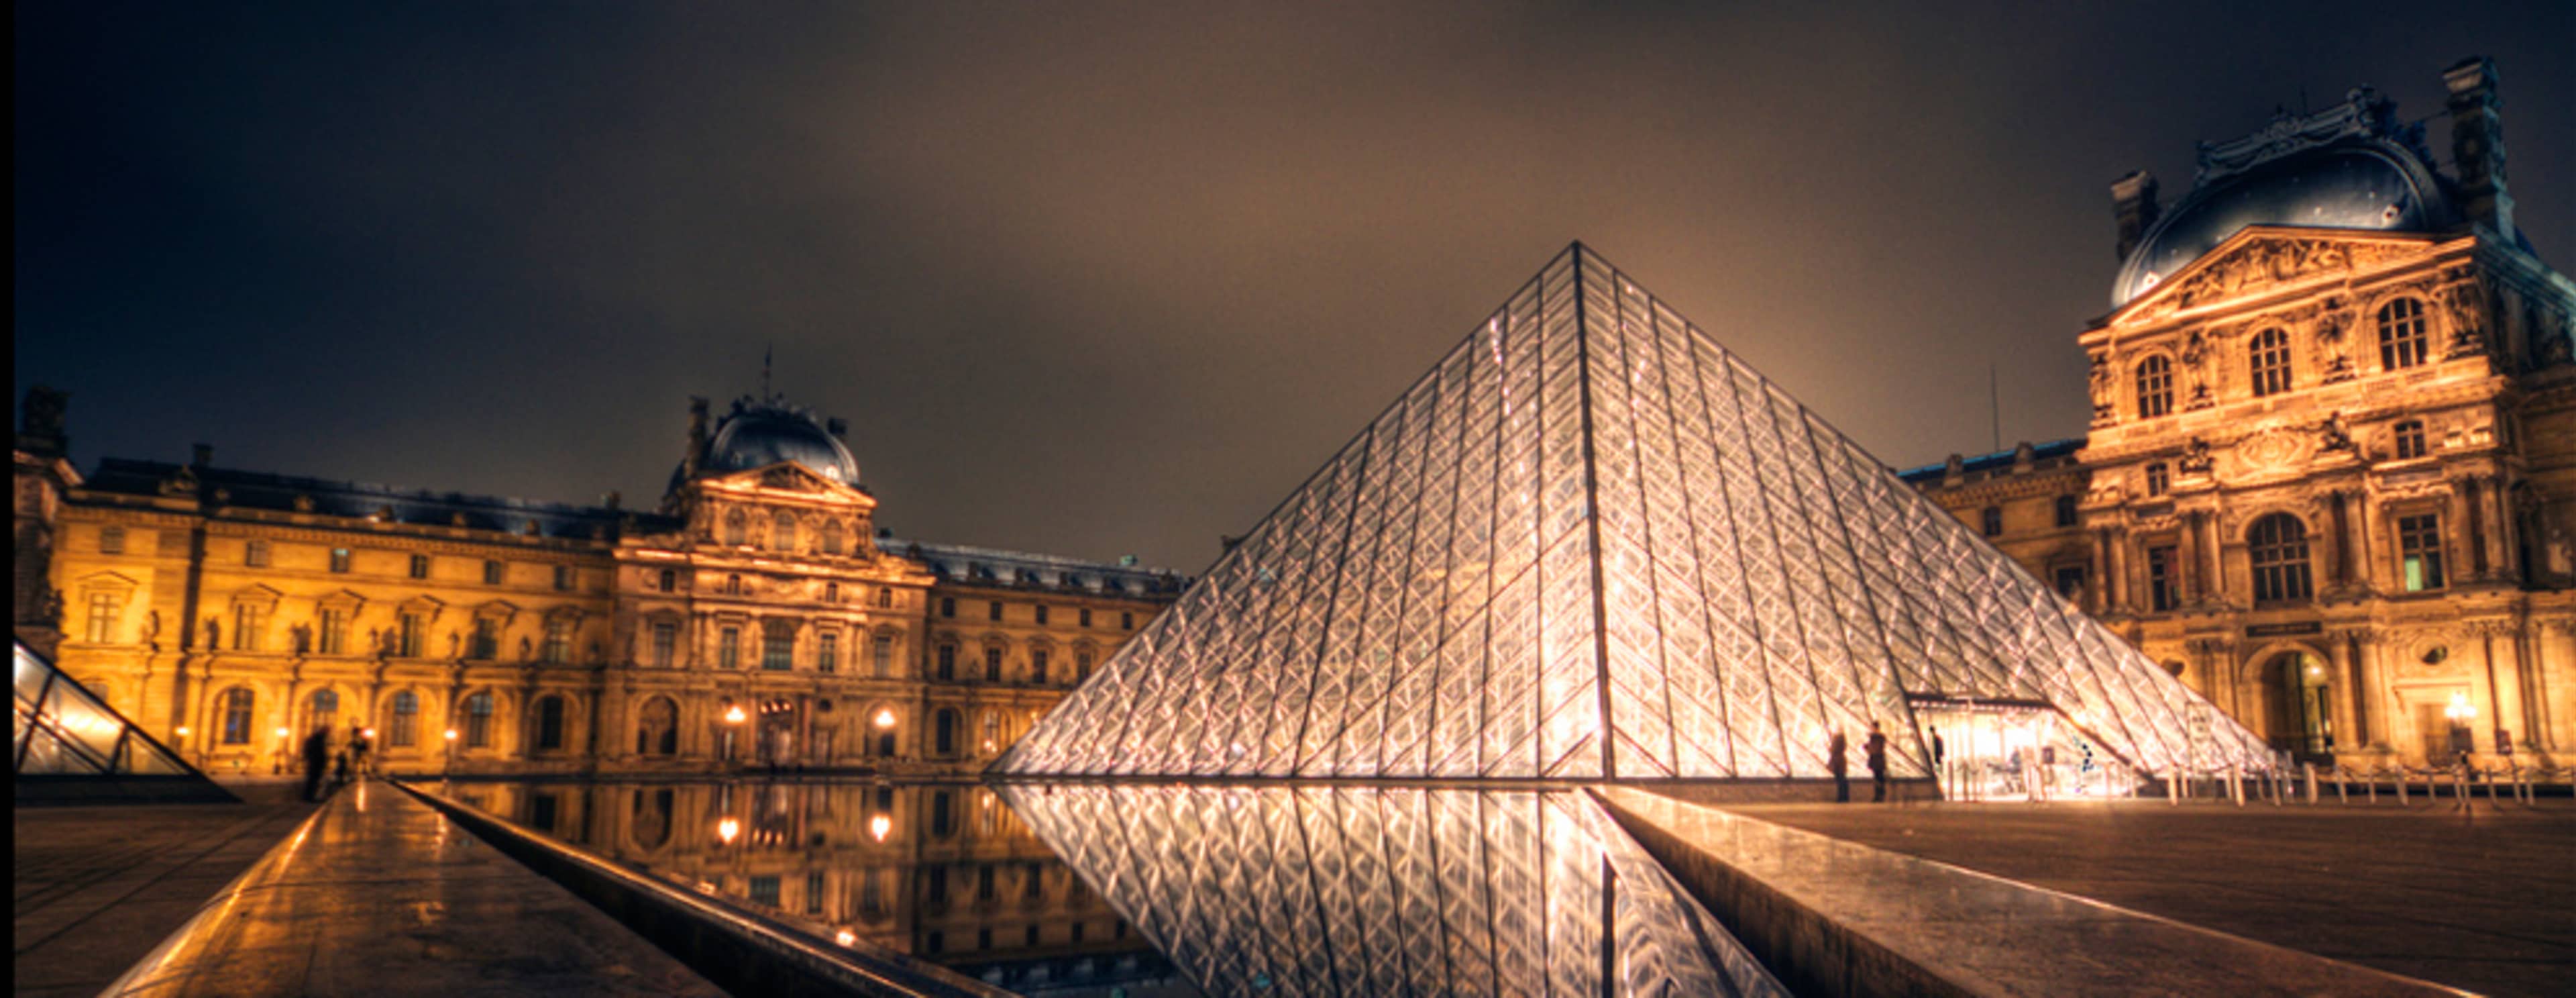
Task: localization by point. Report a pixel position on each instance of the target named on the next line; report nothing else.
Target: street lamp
(280, 765)
(2461, 712)
(733, 718)
(451, 754)
(727, 830)
(879, 827)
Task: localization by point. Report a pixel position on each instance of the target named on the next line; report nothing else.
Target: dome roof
(760, 434)
(2346, 187)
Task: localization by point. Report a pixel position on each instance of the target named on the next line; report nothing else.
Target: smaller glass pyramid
(64, 730)
(1592, 543)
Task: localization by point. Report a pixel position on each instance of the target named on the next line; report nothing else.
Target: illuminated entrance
(2302, 718)
(2006, 750)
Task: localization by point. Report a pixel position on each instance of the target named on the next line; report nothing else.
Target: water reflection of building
(943, 872)
(2329, 480)
(757, 615)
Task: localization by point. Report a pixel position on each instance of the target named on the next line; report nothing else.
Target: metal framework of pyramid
(63, 731)
(1592, 544)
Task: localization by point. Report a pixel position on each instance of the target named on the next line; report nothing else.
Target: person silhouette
(317, 757)
(1838, 762)
(1876, 748)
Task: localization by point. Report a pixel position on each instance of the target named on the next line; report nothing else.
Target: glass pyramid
(1591, 543)
(1371, 890)
(64, 730)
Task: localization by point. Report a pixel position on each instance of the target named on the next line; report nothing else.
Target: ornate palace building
(757, 616)
(2331, 474)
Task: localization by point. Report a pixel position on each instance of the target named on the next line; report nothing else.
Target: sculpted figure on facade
(2195, 369)
(2103, 387)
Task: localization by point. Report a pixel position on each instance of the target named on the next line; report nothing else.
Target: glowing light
(879, 827)
(2460, 711)
(281, 732)
(733, 714)
(451, 734)
(183, 731)
(846, 938)
(369, 733)
(727, 830)
(885, 718)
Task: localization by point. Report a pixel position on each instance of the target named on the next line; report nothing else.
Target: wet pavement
(2483, 899)
(380, 895)
(97, 886)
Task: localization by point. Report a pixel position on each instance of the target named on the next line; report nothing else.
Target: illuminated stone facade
(2331, 474)
(757, 618)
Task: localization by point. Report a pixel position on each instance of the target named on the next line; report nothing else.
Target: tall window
(487, 639)
(948, 606)
(111, 540)
(666, 643)
(729, 648)
(778, 645)
(733, 585)
(944, 734)
(1083, 617)
(737, 529)
(2070, 580)
(994, 611)
(782, 531)
(2155, 387)
(947, 662)
(550, 722)
(411, 635)
(334, 636)
(2159, 479)
(992, 665)
(881, 656)
(2419, 548)
(237, 710)
(2269, 357)
(1042, 613)
(2410, 439)
(2401, 335)
(813, 893)
(2066, 511)
(1082, 665)
(2278, 547)
(1991, 520)
(492, 573)
(885, 597)
(831, 537)
(657, 729)
(558, 646)
(249, 620)
(478, 720)
(405, 727)
(1037, 665)
(670, 580)
(255, 554)
(420, 566)
(104, 608)
(564, 577)
(1126, 621)
(2160, 578)
(340, 560)
(827, 651)
(323, 711)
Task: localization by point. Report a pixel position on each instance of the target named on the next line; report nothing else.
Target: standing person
(317, 755)
(1939, 777)
(1838, 763)
(1876, 748)
(358, 746)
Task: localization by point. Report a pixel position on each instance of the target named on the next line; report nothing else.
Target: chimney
(201, 455)
(2477, 144)
(2134, 205)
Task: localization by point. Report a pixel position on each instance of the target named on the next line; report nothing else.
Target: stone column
(2186, 567)
(2117, 579)
(2100, 598)
(2464, 538)
(2499, 527)
(2366, 527)
(2503, 709)
(2354, 731)
(2214, 568)
(2341, 520)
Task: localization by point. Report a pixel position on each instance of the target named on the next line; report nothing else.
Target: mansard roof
(258, 490)
(1022, 570)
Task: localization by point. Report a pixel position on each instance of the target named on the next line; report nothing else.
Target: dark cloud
(1098, 279)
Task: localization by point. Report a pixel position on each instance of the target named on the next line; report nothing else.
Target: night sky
(1098, 279)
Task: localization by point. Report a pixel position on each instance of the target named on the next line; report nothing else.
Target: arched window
(782, 531)
(943, 727)
(2278, 546)
(737, 528)
(550, 722)
(657, 728)
(238, 702)
(2155, 387)
(831, 537)
(2410, 439)
(2401, 335)
(323, 712)
(404, 728)
(2268, 358)
(478, 720)
(992, 731)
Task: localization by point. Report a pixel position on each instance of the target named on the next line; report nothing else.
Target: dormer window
(2269, 360)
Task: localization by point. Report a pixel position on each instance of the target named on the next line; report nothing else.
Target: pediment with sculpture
(2264, 257)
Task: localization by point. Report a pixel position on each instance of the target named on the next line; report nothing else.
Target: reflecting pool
(1138, 890)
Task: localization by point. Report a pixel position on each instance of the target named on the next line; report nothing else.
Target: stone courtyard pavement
(2482, 899)
(97, 887)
